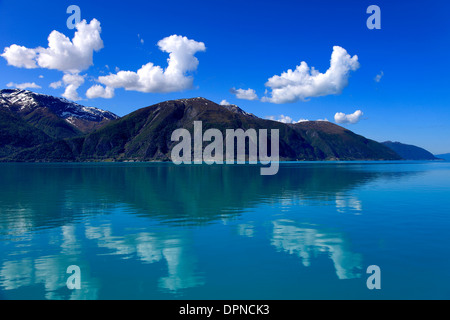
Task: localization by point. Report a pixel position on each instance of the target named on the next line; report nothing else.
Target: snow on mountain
(23, 101)
(234, 108)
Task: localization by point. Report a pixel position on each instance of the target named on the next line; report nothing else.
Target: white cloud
(353, 118)
(140, 39)
(379, 76)
(284, 119)
(281, 118)
(62, 54)
(224, 103)
(20, 57)
(305, 82)
(72, 82)
(97, 91)
(22, 86)
(151, 78)
(248, 94)
(56, 85)
(41, 77)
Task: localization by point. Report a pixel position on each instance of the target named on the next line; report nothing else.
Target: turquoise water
(160, 231)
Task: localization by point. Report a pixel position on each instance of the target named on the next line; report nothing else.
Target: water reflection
(36, 196)
(167, 245)
(111, 216)
(246, 230)
(47, 272)
(170, 248)
(344, 202)
(307, 242)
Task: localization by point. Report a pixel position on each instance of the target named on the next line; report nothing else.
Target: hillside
(145, 135)
(445, 156)
(58, 118)
(16, 134)
(409, 152)
(333, 142)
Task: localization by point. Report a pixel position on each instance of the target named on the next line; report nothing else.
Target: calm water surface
(159, 231)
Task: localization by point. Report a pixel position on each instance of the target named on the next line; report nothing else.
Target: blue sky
(241, 45)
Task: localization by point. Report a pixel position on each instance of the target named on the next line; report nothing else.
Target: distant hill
(58, 118)
(445, 156)
(337, 143)
(145, 135)
(409, 152)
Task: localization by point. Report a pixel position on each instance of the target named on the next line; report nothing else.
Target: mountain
(28, 119)
(409, 152)
(56, 117)
(333, 142)
(16, 134)
(145, 135)
(445, 156)
(234, 108)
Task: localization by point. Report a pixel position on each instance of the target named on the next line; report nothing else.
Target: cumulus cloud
(248, 94)
(22, 86)
(63, 54)
(152, 78)
(353, 118)
(20, 57)
(97, 91)
(56, 84)
(285, 119)
(224, 103)
(72, 82)
(305, 82)
(281, 118)
(379, 76)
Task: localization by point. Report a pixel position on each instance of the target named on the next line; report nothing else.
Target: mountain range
(445, 156)
(35, 127)
(410, 152)
(29, 119)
